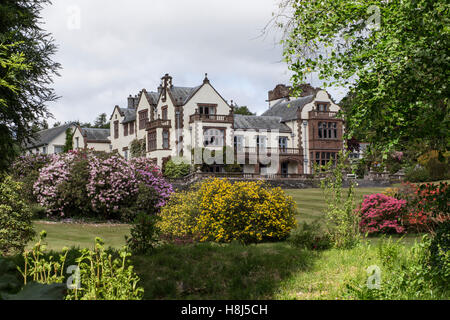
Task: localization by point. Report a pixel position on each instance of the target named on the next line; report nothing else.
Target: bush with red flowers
(381, 214)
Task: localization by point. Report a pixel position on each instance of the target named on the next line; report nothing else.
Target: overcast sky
(110, 49)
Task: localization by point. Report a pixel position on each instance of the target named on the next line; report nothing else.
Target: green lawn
(311, 204)
(60, 235)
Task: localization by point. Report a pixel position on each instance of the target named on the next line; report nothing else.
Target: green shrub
(143, 234)
(417, 174)
(310, 236)
(25, 169)
(16, 227)
(176, 169)
(439, 257)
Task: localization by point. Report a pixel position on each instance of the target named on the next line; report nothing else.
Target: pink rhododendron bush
(82, 183)
(381, 214)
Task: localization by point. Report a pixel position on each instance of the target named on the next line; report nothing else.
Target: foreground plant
(103, 278)
(341, 220)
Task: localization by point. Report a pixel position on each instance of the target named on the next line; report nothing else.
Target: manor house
(189, 122)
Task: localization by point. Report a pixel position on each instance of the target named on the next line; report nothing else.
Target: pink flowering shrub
(105, 185)
(50, 178)
(381, 214)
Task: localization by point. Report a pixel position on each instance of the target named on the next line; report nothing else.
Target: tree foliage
(243, 110)
(393, 56)
(26, 71)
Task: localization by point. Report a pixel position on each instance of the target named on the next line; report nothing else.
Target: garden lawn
(60, 235)
(311, 203)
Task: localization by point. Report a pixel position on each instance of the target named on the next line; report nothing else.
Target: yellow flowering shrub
(178, 216)
(246, 211)
(391, 192)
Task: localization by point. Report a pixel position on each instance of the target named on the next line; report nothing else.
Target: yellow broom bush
(221, 211)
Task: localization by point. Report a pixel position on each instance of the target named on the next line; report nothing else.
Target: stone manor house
(188, 122)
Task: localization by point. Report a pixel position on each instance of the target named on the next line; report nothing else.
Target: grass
(60, 235)
(233, 271)
(311, 204)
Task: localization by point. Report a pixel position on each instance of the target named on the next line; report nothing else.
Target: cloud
(121, 47)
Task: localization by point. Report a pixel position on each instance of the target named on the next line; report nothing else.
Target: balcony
(158, 123)
(222, 118)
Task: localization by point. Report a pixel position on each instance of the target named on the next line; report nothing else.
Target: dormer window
(322, 107)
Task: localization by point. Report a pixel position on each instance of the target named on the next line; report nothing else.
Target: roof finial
(206, 80)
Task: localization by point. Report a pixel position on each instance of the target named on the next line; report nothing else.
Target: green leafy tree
(243, 110)
(393, 56)
(26, 71)
(69, 140)
(101, 121)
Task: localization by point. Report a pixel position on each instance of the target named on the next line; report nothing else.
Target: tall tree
(102, 121)
(393, 56)
(20, 25)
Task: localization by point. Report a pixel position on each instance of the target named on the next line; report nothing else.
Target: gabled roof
(152, 97)
(128, 114)
(286, 109)
(181, 95)
(96, 134)
(260, 123)
(44, 137)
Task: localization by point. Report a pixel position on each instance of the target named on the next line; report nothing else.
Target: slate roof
(96, 134)
(260, 122)
(44, 137)
(129, 114)
(182, 94)
(287, 110)
(152, 97)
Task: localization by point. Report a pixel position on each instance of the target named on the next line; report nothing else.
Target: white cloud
(124, 46)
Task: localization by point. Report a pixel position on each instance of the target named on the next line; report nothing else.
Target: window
(152, 140)
(164, 113)
(77, 142)
(125, 154)
(58, 149)
(165, 135)
(283, 143)
(239, 143)
(116, 129)
(214, 137)
(143, 117)
(125, 129)
(322, 158)
(261, 142)
(327, 130)
(44, 150)
(131, 131)
(207, 110)
(322, 107)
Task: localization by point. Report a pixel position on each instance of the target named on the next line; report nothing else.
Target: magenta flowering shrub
(381, 214)
(50, 178)
(111, 183)
(106, 185)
